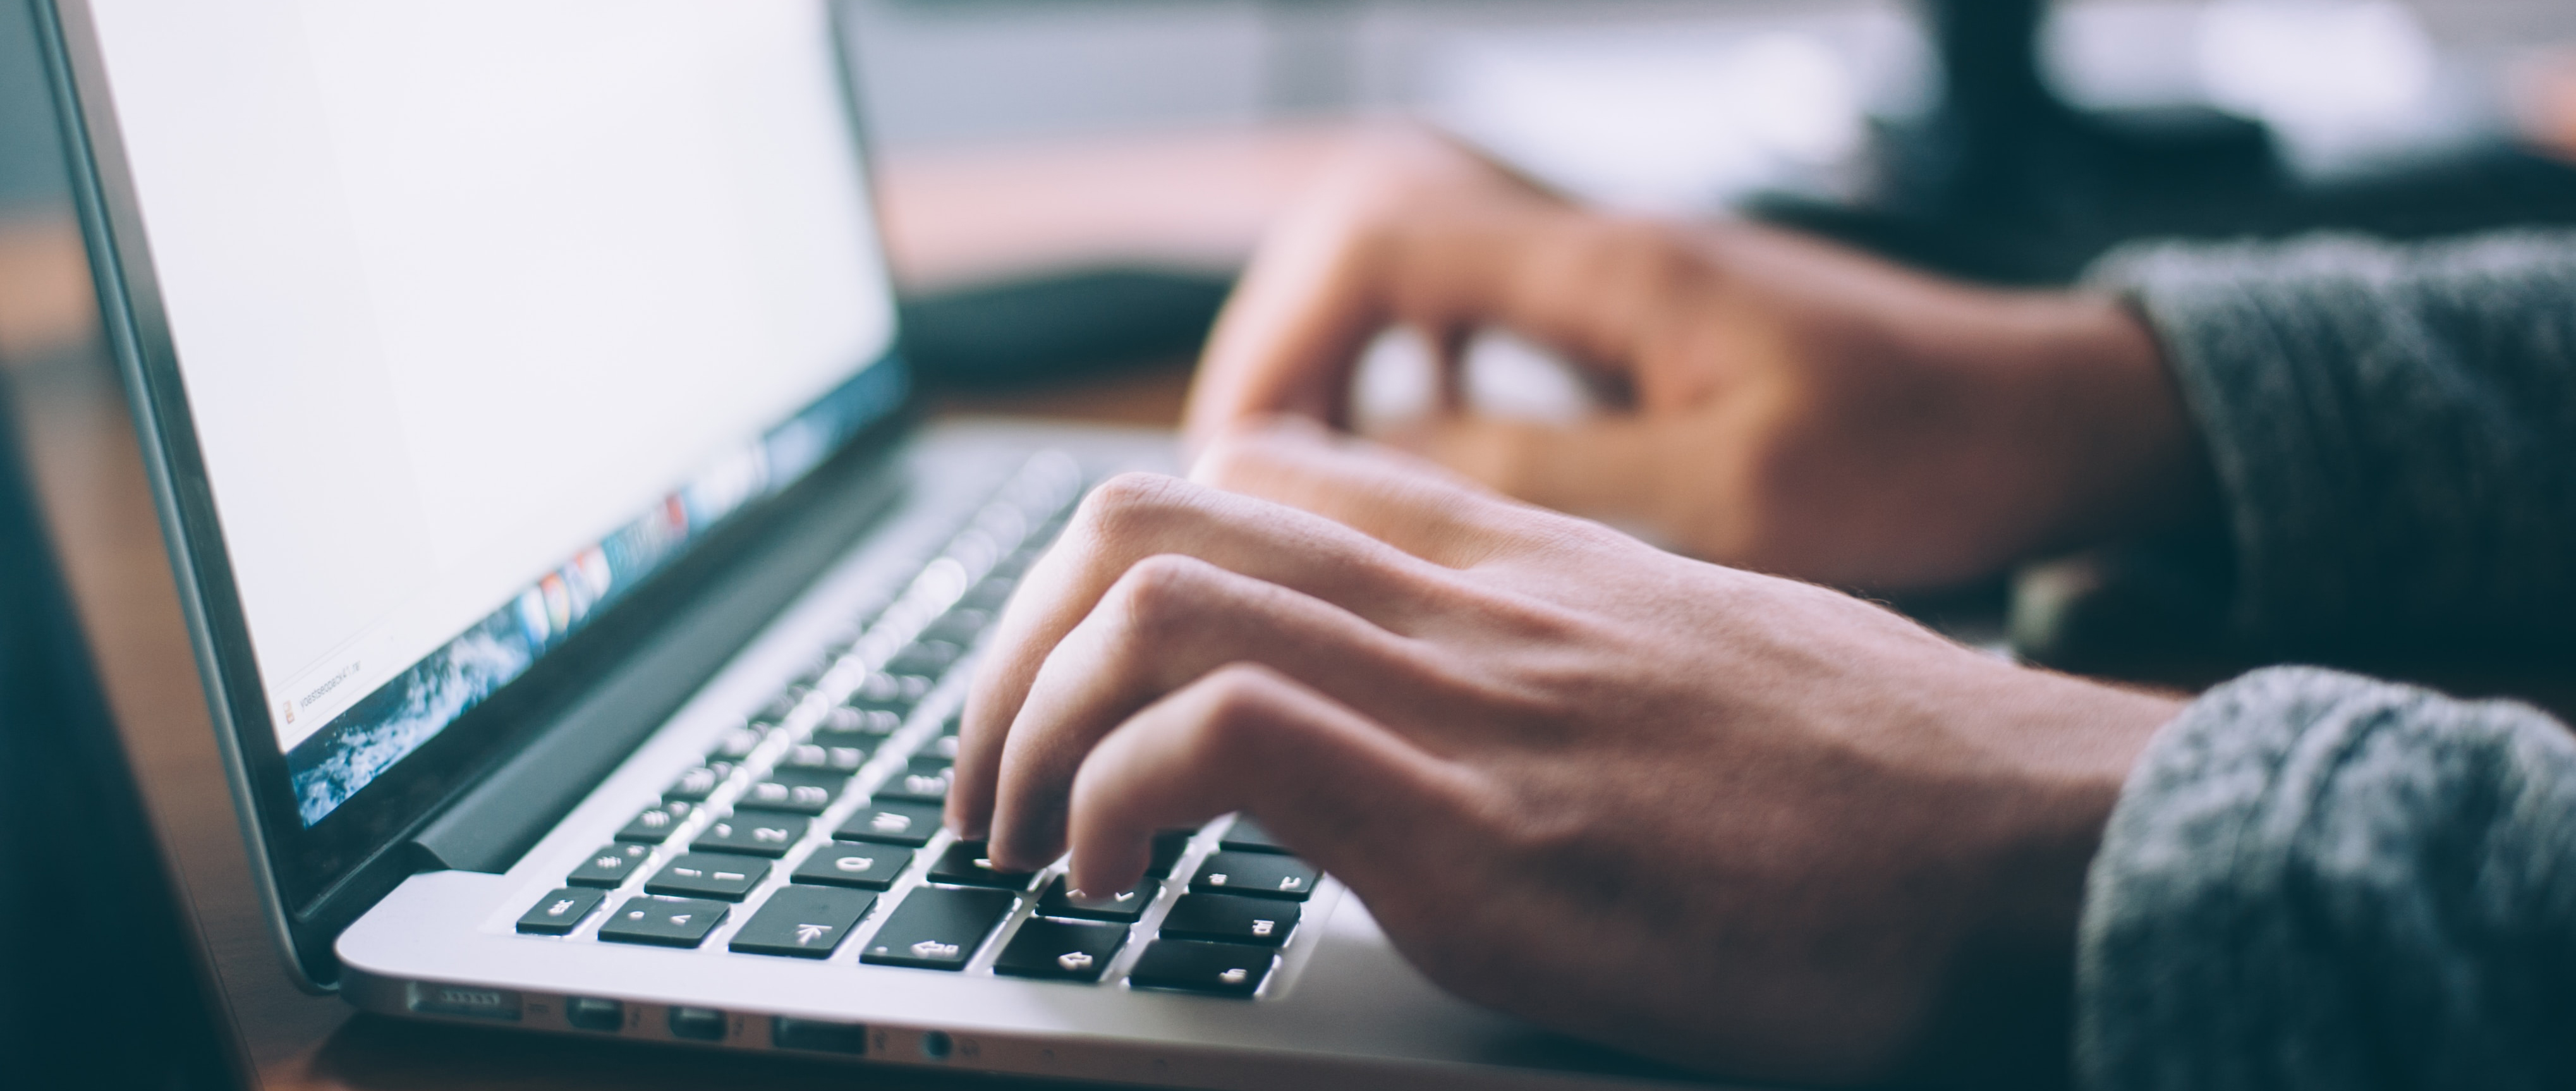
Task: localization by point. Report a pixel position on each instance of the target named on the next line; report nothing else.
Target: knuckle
(1237, 704)
(1162, 597)
(1131, 504)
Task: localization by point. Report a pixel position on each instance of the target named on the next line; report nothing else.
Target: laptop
(583, 605)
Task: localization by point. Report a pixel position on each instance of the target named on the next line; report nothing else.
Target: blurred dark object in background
(1048, 327)
(101, 980)
(2004, 181)
(1966, 147)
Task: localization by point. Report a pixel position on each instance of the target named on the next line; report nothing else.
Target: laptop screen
(484, 310)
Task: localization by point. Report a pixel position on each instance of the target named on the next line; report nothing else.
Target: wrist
(2133, 456)
(2003, 1008)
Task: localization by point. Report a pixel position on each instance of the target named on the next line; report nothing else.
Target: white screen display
(460, 288)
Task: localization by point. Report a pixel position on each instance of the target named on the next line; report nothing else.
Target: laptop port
(593, 1013)
(698, 1024)
(791, 1033)
(935, 1044)
(498, 1004)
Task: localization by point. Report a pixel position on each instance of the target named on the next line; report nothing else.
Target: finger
(1322, 777)
(1169, 621)
(1130, 518)
(1417, 506)
(1616, 467)
(1353, 262)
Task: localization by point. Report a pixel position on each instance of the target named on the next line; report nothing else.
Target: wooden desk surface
(952, 219)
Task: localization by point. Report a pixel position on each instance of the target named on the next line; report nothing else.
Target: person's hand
(1787, 405)
(1731, 820)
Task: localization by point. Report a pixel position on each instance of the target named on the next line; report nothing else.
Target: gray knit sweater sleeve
(2393, 428)
(2313, 880)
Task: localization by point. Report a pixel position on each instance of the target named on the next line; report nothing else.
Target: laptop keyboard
(816, 823)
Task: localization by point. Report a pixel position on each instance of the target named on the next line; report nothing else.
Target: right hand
(1737, 822)
(1791, 406)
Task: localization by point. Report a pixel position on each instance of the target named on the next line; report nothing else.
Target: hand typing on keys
(1734, 821)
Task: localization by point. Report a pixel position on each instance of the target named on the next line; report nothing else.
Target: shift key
(936, 929)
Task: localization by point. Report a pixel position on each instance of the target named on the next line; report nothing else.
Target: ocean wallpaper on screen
(394, 720)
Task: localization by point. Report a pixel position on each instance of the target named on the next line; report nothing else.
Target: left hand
(1785, 404)
(1734, 821)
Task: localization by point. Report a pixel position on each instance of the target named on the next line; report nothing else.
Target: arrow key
(1256, 874)
(1123, 907)
(1061, 950)
(803, 922)
(1224, 969)
(1225, 918)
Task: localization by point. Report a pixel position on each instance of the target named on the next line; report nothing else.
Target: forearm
(2316, 880)
(2392, 428)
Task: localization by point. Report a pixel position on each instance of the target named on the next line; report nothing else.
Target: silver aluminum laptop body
(411, 890)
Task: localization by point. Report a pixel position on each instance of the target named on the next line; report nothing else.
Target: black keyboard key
(1258, 874)
(796, 791)
(959, 626)
(964, 864)
(991, 593)
(709, 875)
(844, 760)
(802, 922)
(735, 744)
(1224, 969)
(753, 833)
(938, 929)
(657, 822)
(610, 865)
(1124, 907)
(1168, 847)
(663, 922)
(1246, 835)
(890, 692)
(907, 824)
(1228, 918)
(923, 780)
(559, 912)
(695, 785)
(784, 705)
(866, 867)
(865, 723)
(928, 658)
(1061, 950)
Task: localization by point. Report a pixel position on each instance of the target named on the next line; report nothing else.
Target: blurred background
(1072, 182)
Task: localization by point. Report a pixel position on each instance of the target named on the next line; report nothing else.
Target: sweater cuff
(2313, 879)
